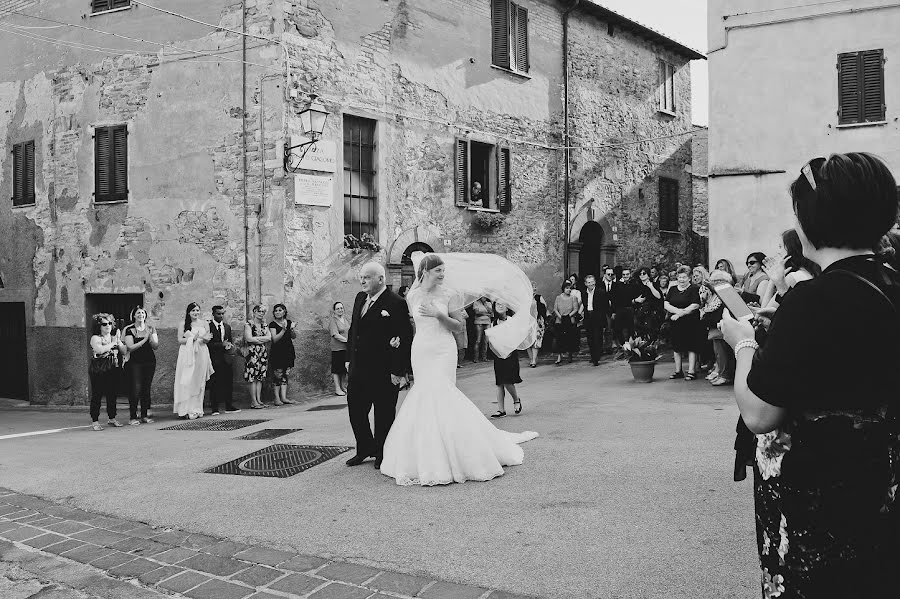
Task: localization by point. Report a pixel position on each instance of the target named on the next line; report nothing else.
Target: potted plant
(365, 242)
(487, 220)
(642, 355)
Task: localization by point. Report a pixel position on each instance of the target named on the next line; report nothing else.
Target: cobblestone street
(626, 493)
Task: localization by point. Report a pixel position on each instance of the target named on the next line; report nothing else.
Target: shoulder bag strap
(872, 286)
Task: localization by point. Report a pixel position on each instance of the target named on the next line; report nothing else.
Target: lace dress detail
(439, 435)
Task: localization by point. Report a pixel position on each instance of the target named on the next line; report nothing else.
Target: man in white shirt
(595, 310)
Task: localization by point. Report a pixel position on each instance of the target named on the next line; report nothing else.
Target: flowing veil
(472, 276)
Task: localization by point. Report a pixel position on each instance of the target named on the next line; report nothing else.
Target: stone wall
(700, 151)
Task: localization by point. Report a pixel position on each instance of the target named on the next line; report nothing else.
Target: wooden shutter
(504, 195)
(28, 191)
(872, 66)
(668, 205)
(462, 172)
(521, 38)
(500, 33)
(849, 88)
(102, 5)
(111, 164)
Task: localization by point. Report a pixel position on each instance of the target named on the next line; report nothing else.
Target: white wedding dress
(439, 435)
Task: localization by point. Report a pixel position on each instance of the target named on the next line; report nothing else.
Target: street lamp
(312, 121)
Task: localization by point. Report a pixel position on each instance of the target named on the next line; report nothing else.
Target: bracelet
(745, 343)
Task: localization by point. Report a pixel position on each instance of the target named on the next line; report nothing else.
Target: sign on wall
(313, 190)
(322, 156)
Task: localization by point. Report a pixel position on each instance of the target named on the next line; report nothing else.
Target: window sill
(667, 232)
(95, 203)
(106, 12)
(865, 124)
(512, 72)
(32, 205)
(666, 112)
(477, 209)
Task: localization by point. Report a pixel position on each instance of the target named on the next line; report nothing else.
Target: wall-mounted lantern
(312, 121)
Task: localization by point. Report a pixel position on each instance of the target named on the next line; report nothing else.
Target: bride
(439, 435)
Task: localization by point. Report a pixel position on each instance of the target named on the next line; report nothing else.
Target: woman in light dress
(439, 435)
(193, 367)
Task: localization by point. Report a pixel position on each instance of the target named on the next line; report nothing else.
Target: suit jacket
(601, 306)
(368, 340)
(622, 294)
(216, 345)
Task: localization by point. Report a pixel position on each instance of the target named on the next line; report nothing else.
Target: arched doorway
(590, 255)
(407, 272)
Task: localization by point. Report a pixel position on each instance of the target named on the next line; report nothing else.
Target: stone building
(147, 161)
(837, 90)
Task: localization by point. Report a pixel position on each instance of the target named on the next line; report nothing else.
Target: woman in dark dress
(687, 334)
(506, 370)
(140, 339)
(822, 395)
(647, 304)
(281, 355)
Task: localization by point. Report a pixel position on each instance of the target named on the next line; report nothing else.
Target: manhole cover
(269, 433)
(279, 461)
(212, 425)
(337, 406)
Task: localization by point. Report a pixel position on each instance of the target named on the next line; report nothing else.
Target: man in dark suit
(623, 291)
(596, 305)
(605, 287)
(378, 347)
(221, 346)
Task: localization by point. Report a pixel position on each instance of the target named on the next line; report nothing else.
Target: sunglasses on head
(807, 172)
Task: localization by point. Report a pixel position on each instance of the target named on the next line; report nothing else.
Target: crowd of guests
(206, 352)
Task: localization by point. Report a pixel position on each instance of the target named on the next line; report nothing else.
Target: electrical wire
(76, 45)
(780, 8)
(216, 27)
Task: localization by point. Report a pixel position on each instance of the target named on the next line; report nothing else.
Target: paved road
(626, 493)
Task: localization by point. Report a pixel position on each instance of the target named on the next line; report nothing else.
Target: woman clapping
(141, 340)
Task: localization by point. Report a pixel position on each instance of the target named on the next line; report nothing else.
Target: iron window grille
(360, 197)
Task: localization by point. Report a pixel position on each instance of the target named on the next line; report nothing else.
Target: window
(482, 176)
(106, 5)
(360, 201)
(861, 87)
(666, 92)
(111, 164)
(23, 174)
(509, 35)
(668, 205)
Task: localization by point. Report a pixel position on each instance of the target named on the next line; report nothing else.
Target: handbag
(102, 364)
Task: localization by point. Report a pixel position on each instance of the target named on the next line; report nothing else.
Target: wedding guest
(786, 272)
(281, 354)
(663, 282)
(257, 336)
(338, 329)
(103, 370)
(595, 306)
(193, 367)
(710, 315)
(700, 279)
(749, 284)
(482, 320)
(623, 292)
(221, 346)
(699, 276)
(683, 303)
(654, 274)
(647, 302)
(576, 286)
(506, 370)
(403, 290)
(606, 288)
(565, 311)
(540, 309)
(821, 395)
(462, 345)
(725, 265)
(141, 340)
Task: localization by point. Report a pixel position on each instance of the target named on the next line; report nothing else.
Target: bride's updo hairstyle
(429, 262)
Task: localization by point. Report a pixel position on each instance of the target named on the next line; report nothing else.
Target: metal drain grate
(269, 433)
(337, 406)
(212, 425)
(279, 461)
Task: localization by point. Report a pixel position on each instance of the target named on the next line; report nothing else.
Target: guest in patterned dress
(648, 303)
(257, 337)
(821, 395)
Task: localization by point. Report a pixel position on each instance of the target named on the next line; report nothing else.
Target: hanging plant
(365, 242)
(488, 220)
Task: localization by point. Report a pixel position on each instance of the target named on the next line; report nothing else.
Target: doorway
(13, 351)
(120, 306)
(407, 271)
(590, 255)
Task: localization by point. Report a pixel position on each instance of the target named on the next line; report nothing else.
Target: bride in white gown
(439, 435)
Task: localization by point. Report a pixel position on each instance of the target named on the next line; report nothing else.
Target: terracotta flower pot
(642, 371)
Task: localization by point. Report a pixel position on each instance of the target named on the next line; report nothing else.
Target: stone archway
(591, 245)
(419, 235)
(407, 272)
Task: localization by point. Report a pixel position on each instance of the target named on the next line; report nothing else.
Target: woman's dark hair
(729, 268)
(187, 315)
(404, 289)
(335, 305)
(793, 248)
(276, 306)
(429, 262)
(643, 269)
(617, 271)
(852, 202)
(567, 284)
(96, 319)
(758, 256)
(134, 311)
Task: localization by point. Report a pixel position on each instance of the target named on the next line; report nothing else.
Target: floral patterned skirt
(257, 364)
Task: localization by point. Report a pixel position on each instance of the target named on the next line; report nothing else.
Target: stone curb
(200, 566)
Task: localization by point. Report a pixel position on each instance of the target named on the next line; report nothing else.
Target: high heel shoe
(558, 361)
(517, 405)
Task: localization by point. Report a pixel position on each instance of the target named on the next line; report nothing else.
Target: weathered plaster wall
(613, 89)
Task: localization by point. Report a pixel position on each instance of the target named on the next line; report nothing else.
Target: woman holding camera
(822, 394)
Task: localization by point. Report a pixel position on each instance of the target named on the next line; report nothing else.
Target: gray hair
(374, 268)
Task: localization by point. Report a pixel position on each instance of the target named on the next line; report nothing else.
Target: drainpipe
(262, 172)
(566, 151)
(244, 159)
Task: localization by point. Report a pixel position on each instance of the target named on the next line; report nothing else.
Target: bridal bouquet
(638, 349)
